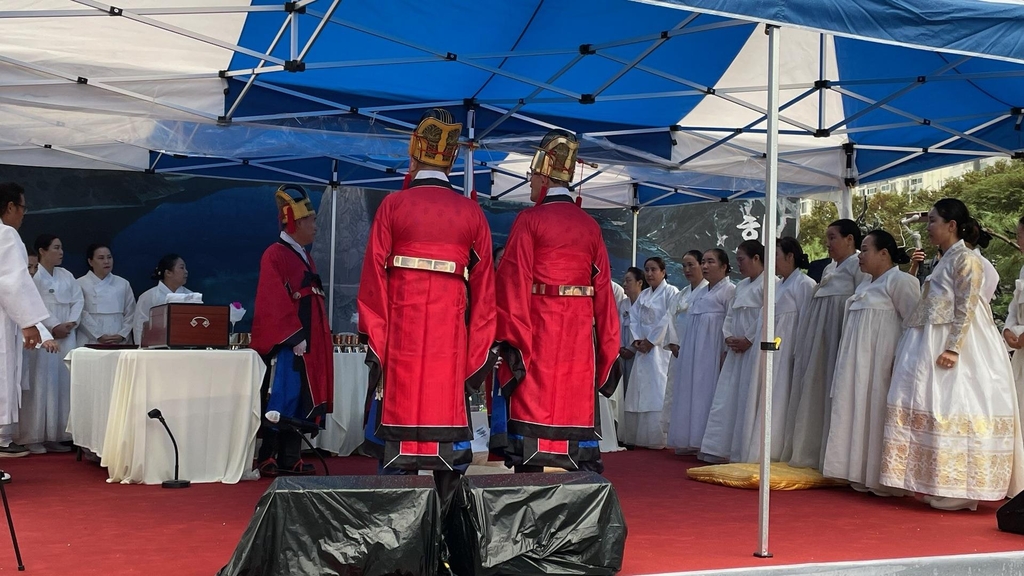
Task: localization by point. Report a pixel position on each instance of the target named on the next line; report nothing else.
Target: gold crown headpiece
(556, 157)
(291, 208)
(435, 142)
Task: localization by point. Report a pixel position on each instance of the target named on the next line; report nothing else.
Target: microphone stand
(176, 483)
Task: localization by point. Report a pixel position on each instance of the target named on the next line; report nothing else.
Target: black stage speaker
(1010, 516)
(559, 523)
(342, 525)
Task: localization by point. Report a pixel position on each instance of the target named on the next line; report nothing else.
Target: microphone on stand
(303, 427)
(176, 483)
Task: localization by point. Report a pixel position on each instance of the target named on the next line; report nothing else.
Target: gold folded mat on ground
(783, 476)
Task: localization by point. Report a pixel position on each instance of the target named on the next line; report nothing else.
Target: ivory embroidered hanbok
(792, 297)
(723, 437)
(1015, 324)
(871, 332)
(109, 308)
(650, 319)
(810, 408)
(46, 404)
(679, 309)
(701, 346)
(953, 433)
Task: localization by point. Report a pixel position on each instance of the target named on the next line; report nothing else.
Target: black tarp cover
(561, 523)
(342, 525)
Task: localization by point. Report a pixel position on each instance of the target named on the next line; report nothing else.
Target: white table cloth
(343, 429)
(92, 378)
(211, 402)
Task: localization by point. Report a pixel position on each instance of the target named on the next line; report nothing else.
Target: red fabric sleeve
(276, 318)
(606, 323)
(482, 315)
(513, 287)
(372, 303)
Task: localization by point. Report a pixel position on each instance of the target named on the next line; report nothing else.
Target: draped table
(343, 429)
(209, 398)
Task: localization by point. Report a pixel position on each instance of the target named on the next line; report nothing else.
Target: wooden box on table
(186, 326)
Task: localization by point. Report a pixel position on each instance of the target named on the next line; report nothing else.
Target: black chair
(5, 478)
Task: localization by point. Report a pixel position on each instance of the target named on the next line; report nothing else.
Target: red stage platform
(70, 521)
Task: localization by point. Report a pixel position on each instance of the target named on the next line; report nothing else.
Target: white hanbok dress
(155, 296)
(679, 308)
(46, 404)
(792, 297)
(991, 280)
(700, 350)
(1015, 324)
(611, 407)
(645, 397)
(953, 433)
(20, 306)
(109, 308)
(810, 408)
(871, 332)
(723, 437)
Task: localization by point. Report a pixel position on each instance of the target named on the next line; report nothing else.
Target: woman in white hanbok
(810, 408)
(952, 429)
(109, 301)
(633, 283)
(170, 275)
(46, 404)
(792, 297)
(701, 349)
(871, 332)
(679, 309)
(1013, 331)
(649, 326)
(723, 438)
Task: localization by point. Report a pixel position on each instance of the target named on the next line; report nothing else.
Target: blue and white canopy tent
(676, 101)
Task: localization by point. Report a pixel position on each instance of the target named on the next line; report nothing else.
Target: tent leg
(636, 213)
(768, 308)
(846, 204)
(334, 233)
(469, 168)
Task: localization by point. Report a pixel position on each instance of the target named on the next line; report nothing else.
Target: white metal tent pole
(636, 212)
(768, 308)
(469, 170)
(846, 204)
(334, 233)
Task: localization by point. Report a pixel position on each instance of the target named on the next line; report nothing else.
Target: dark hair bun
(900, 256)
(804, 262)
(157, 274)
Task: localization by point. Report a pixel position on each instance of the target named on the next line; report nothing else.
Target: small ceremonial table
(209, 398)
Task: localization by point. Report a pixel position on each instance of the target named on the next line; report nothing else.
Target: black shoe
(13, 450)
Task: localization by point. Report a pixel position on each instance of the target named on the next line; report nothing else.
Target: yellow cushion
(783, 477)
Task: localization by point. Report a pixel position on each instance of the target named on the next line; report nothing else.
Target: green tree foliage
(994, 195)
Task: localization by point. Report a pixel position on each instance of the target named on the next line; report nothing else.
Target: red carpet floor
(71, 522)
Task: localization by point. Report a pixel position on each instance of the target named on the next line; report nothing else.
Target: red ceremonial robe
(289, 309)
(558, 351)
(429, 331)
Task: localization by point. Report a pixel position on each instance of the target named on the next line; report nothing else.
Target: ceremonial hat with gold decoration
(436, 139)
(292, 204)
(556, 157)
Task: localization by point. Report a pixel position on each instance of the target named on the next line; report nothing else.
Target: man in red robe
(291, 332)
(426, 311)
(558, 326)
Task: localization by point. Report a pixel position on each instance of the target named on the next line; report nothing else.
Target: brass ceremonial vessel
(240, 340)
(347, 342)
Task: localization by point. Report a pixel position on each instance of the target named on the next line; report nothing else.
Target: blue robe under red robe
(289, 309)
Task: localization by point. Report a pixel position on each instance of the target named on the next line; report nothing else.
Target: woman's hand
(644, 346)
(626, 353)
(50, 346)
(1011, 339)
(674, 348)
(110, 339)
(61, 331)
(947, 360)
(740, 345)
